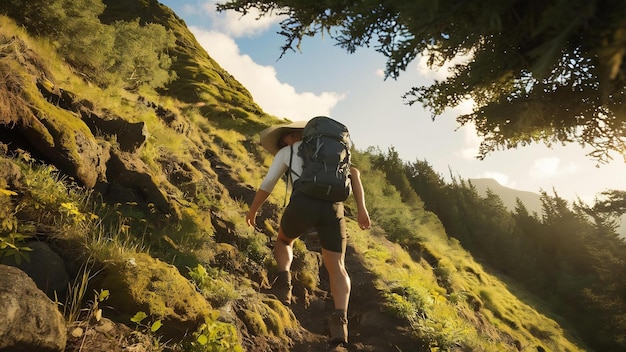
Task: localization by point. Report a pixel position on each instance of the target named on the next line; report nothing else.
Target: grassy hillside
(171, 203)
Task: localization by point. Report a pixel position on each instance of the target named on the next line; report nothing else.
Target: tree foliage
(570, 254)
(73, 26)
(393, 166)
(140, 54)
(614, 202)
(124, 53)
(550, 71)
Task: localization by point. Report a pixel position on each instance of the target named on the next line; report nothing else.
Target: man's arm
(259, 199)
(363, 216)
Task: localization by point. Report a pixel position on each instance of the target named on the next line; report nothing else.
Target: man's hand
(251, 218)
(259, 198)
(364, 220)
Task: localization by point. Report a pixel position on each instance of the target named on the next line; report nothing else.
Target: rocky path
(370, 327)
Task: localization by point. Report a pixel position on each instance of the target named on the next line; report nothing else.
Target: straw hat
(271, 135)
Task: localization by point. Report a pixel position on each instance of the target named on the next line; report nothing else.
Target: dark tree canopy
(548, 71)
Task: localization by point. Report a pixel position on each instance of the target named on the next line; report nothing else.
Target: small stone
(105, 326)
(77, 332)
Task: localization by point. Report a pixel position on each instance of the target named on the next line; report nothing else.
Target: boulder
(130, 136)
(10, 174)
(30, 320)
(45, 267)
(140, 283)
(128, 170)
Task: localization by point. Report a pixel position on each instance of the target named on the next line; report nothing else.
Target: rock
(129, 171)
(67, 143)
(77, 332)
(30, 320)
(10, 174)
(90, 164)
(375, 319)
(45, 267)
(130, 136)
(106, 336)
(142, 283)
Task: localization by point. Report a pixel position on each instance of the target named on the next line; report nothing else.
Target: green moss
(308, 280)
(254, 322)
(138, 282)
(287, 318)
(267, 317)
(274, 323)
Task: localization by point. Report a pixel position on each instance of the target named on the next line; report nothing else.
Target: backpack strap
(289, 177)
(290, 169)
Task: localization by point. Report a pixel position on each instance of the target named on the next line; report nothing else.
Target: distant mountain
(531, 200)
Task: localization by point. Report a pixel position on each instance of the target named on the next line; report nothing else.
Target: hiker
(301, 214)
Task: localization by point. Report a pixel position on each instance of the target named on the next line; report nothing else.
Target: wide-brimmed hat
(271, 135)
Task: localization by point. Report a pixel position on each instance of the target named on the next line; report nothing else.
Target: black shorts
(303, 213)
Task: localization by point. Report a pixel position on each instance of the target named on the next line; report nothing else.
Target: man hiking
(305, 212)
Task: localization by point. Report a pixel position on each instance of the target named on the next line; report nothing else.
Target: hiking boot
(338, 326)
(281, 287)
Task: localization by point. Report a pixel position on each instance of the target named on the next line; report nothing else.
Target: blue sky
(323, 79)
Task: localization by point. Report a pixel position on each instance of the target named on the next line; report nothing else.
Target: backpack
(325, 151)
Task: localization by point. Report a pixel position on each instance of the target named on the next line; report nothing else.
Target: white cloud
(502, 179)
(552, 167)
(274, 97)
(380, 73)
(236, 25)
(438, 73)
(471, 142)
(544, 168)
(442, 72)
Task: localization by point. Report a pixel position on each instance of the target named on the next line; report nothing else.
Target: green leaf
(139, 317)
(7, 192)
(156, 325)
(202, 339)
(18, 258)
(201, 270)
(104, 294)
(214, 315)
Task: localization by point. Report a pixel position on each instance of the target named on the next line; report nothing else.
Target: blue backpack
(325, 151)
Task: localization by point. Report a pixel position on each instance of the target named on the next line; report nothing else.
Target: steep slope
(151, 190)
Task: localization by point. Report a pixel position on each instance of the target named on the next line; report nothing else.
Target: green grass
(431, 281)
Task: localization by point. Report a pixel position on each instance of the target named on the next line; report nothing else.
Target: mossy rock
(141, 283)
(306, 267)
(266, 317)
(308, 273)
(254, 322)
(280, 318)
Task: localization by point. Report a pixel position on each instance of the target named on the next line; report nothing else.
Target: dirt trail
(370, 328)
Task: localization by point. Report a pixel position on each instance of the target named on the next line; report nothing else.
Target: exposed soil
(370, 328)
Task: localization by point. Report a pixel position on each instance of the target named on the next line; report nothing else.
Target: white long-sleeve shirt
(280, 164)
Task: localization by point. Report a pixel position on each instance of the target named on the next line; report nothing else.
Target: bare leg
(340, 290)
(283, 251)
(339, 279)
